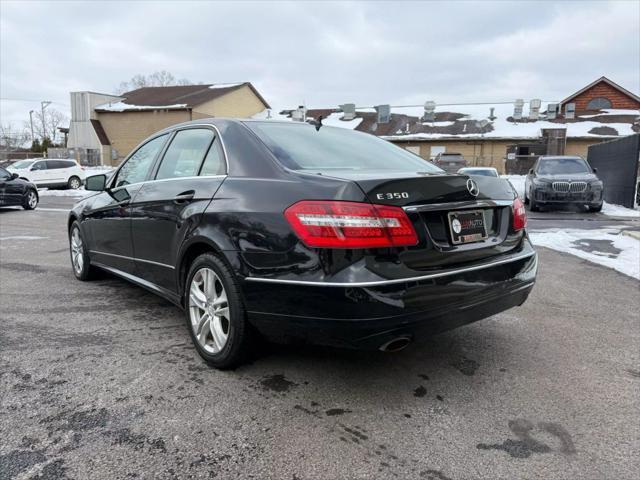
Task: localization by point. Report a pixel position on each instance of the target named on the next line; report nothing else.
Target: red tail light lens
(334, 224)
(519, 215)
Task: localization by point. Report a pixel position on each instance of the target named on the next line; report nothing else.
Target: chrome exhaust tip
(396, 344)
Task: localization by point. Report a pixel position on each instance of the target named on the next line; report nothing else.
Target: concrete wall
(240, 103)
(125, 130)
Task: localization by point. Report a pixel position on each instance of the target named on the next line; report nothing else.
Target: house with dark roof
(110, 126)
(489, 134)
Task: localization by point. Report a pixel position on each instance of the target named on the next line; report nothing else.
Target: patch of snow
(333, 120)
(102, 170)
(619, 211)
(627, 261)
(80, 192)
(517, 181)
(121, 107)
(23, 237)
(225, 85)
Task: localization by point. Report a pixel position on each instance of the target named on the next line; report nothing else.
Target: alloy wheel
(32, 200)
(74, 183)
(209, 310)
(77, 252)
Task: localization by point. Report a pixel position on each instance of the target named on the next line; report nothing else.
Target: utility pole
(44, 105)
(31, 120)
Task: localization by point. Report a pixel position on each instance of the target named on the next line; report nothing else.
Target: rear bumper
(368, 316)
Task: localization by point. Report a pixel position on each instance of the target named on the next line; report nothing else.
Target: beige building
(105, 128)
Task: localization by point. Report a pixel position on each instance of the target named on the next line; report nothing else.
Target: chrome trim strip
(134, 259)
(446, 273)
(458, 205)
(166, 180)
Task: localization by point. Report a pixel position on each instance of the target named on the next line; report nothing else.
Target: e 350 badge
(392, 195)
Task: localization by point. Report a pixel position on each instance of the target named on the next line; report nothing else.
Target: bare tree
(161, 78)
(12, 137)
(52, 120)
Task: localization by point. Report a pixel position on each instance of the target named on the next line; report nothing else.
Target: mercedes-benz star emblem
(473, 188)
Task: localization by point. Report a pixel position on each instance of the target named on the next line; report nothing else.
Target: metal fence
(87, 157)
(618, 164)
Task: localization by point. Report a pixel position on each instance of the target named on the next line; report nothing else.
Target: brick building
(603, 94)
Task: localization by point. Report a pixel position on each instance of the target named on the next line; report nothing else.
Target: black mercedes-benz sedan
(299, 232)
(563, 180)
(15, 191)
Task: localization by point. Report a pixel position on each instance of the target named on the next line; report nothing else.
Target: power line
(30, 101)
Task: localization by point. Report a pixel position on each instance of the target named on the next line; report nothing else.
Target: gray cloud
(320, 53)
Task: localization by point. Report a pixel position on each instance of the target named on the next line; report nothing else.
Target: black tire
(240, 337)
(526, 199)
(30, 200)
(87, 272)
(595, 209)
(74, 183)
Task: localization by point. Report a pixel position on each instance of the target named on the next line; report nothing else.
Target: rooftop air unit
(552, 111)
(299, 114)
(534, 108)
(384, 113)
(570, 110)
(429, 111)
(348, 111)
(517, 109)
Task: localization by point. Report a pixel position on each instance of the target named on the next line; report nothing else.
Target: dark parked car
(449, 161)
(290, 232)
(563, 180)
(17, 192)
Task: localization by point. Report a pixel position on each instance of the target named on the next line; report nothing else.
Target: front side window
(22, 164)
(4, 175)
(137, 167)
(39, 166)
(599, 103)
(302, 147)
(185, 154)
(561, 166)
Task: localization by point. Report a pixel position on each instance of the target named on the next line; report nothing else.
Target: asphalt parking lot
(99, 380)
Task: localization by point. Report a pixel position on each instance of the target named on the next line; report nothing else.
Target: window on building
(436, 150)
(598, 103)
(413, 149)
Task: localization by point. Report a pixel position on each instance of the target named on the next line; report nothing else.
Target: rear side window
(185, 154)
(138, 165)
(214, 163)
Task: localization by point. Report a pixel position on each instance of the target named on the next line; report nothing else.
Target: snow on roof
(226, 85)
(331, 120)
(121, 107)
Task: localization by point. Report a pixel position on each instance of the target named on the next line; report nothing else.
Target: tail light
(336, 224)
(519, 215)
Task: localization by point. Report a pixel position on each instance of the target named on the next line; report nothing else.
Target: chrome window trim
(513, 258)
(458, 205)
(170, 132)
(166, 180)
(134, 259)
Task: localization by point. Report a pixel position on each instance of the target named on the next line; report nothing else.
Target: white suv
(50, 172)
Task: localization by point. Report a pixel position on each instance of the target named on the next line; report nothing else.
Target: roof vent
(299, 114)
(570, 110)
(492, 115)
(517, 109)
(349, 111)
(534, 108)
(384, 113)
(552, 111)
(429, 111)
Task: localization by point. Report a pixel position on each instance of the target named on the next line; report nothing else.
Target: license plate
(467, 226)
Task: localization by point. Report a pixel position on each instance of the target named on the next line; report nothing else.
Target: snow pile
(619, 211)
(121, 107)
(102, 170)
(607, 247)
(80, 192)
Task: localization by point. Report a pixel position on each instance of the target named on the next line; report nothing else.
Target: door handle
(184, 197)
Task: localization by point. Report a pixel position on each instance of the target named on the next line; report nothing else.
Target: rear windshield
(299, 146)
(555, 166)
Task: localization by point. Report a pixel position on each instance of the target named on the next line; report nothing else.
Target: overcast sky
(322, 54)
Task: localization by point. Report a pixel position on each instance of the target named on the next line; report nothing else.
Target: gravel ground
(99, 380)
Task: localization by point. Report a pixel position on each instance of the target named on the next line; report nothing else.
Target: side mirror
(14, 176)
(531, 172)
(96, 183)
(595, 170)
